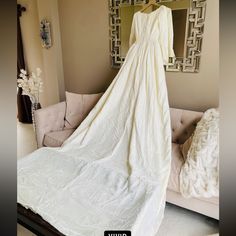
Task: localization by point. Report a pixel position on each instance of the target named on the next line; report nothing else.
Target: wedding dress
(112, 173)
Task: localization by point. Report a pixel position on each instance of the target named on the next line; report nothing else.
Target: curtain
(23, 101)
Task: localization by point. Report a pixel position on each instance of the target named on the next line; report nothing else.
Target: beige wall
(85, 47)
(199, 91)
(31, 42)
(52, 57)
(84, 32)
(50, 61)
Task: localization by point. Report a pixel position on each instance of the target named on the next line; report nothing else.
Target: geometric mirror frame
(194, 29)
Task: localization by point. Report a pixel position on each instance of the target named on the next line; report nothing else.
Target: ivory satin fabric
(112, 173)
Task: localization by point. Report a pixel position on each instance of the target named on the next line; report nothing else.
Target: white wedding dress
(112, 173)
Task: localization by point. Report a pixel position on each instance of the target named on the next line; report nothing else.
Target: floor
(177, 221)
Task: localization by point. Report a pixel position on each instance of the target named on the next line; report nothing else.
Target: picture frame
(45, 34)
(194, 31)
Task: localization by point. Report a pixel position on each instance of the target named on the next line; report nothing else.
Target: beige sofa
(51, 131)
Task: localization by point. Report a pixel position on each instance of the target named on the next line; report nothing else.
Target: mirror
(188, 23)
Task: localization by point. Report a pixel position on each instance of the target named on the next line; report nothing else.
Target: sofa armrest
(51, 118)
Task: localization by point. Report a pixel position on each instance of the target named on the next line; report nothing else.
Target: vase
(34, 106)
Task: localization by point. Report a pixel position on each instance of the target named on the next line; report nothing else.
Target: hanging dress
(112, 172)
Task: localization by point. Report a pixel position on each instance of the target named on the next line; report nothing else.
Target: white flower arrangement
(31, 86)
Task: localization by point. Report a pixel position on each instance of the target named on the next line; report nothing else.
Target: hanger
(150, 3)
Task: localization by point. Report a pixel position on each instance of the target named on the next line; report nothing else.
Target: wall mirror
(188, 26)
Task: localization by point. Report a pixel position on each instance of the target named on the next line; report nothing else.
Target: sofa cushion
(78, 106)
(57, 138)
(206, 206)
(176, 163)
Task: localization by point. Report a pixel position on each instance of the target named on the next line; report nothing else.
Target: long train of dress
(112, 172)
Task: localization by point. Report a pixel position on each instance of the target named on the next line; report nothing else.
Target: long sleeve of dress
(132, 33)
(167, 36)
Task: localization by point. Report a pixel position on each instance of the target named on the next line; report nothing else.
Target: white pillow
(199, 176)
(185, 147)
(78, 106)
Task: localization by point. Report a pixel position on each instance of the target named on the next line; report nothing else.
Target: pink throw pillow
(78, 106)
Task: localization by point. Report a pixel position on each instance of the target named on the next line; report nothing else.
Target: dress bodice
(154, 28)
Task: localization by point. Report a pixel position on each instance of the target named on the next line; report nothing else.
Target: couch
(52, 131)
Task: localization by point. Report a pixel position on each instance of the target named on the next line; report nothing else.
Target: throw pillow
(78, 106)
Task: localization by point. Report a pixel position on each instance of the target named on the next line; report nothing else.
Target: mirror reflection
(180, 17)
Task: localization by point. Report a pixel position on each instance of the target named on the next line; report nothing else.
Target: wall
(50, 61)
(85, 45)
(84, 32)
(31, 41)
(53, 64)
(199, 91)
(85, 48)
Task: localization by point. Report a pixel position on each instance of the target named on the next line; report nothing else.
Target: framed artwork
(45, 34)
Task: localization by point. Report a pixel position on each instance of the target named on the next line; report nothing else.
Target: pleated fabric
(112, 172)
